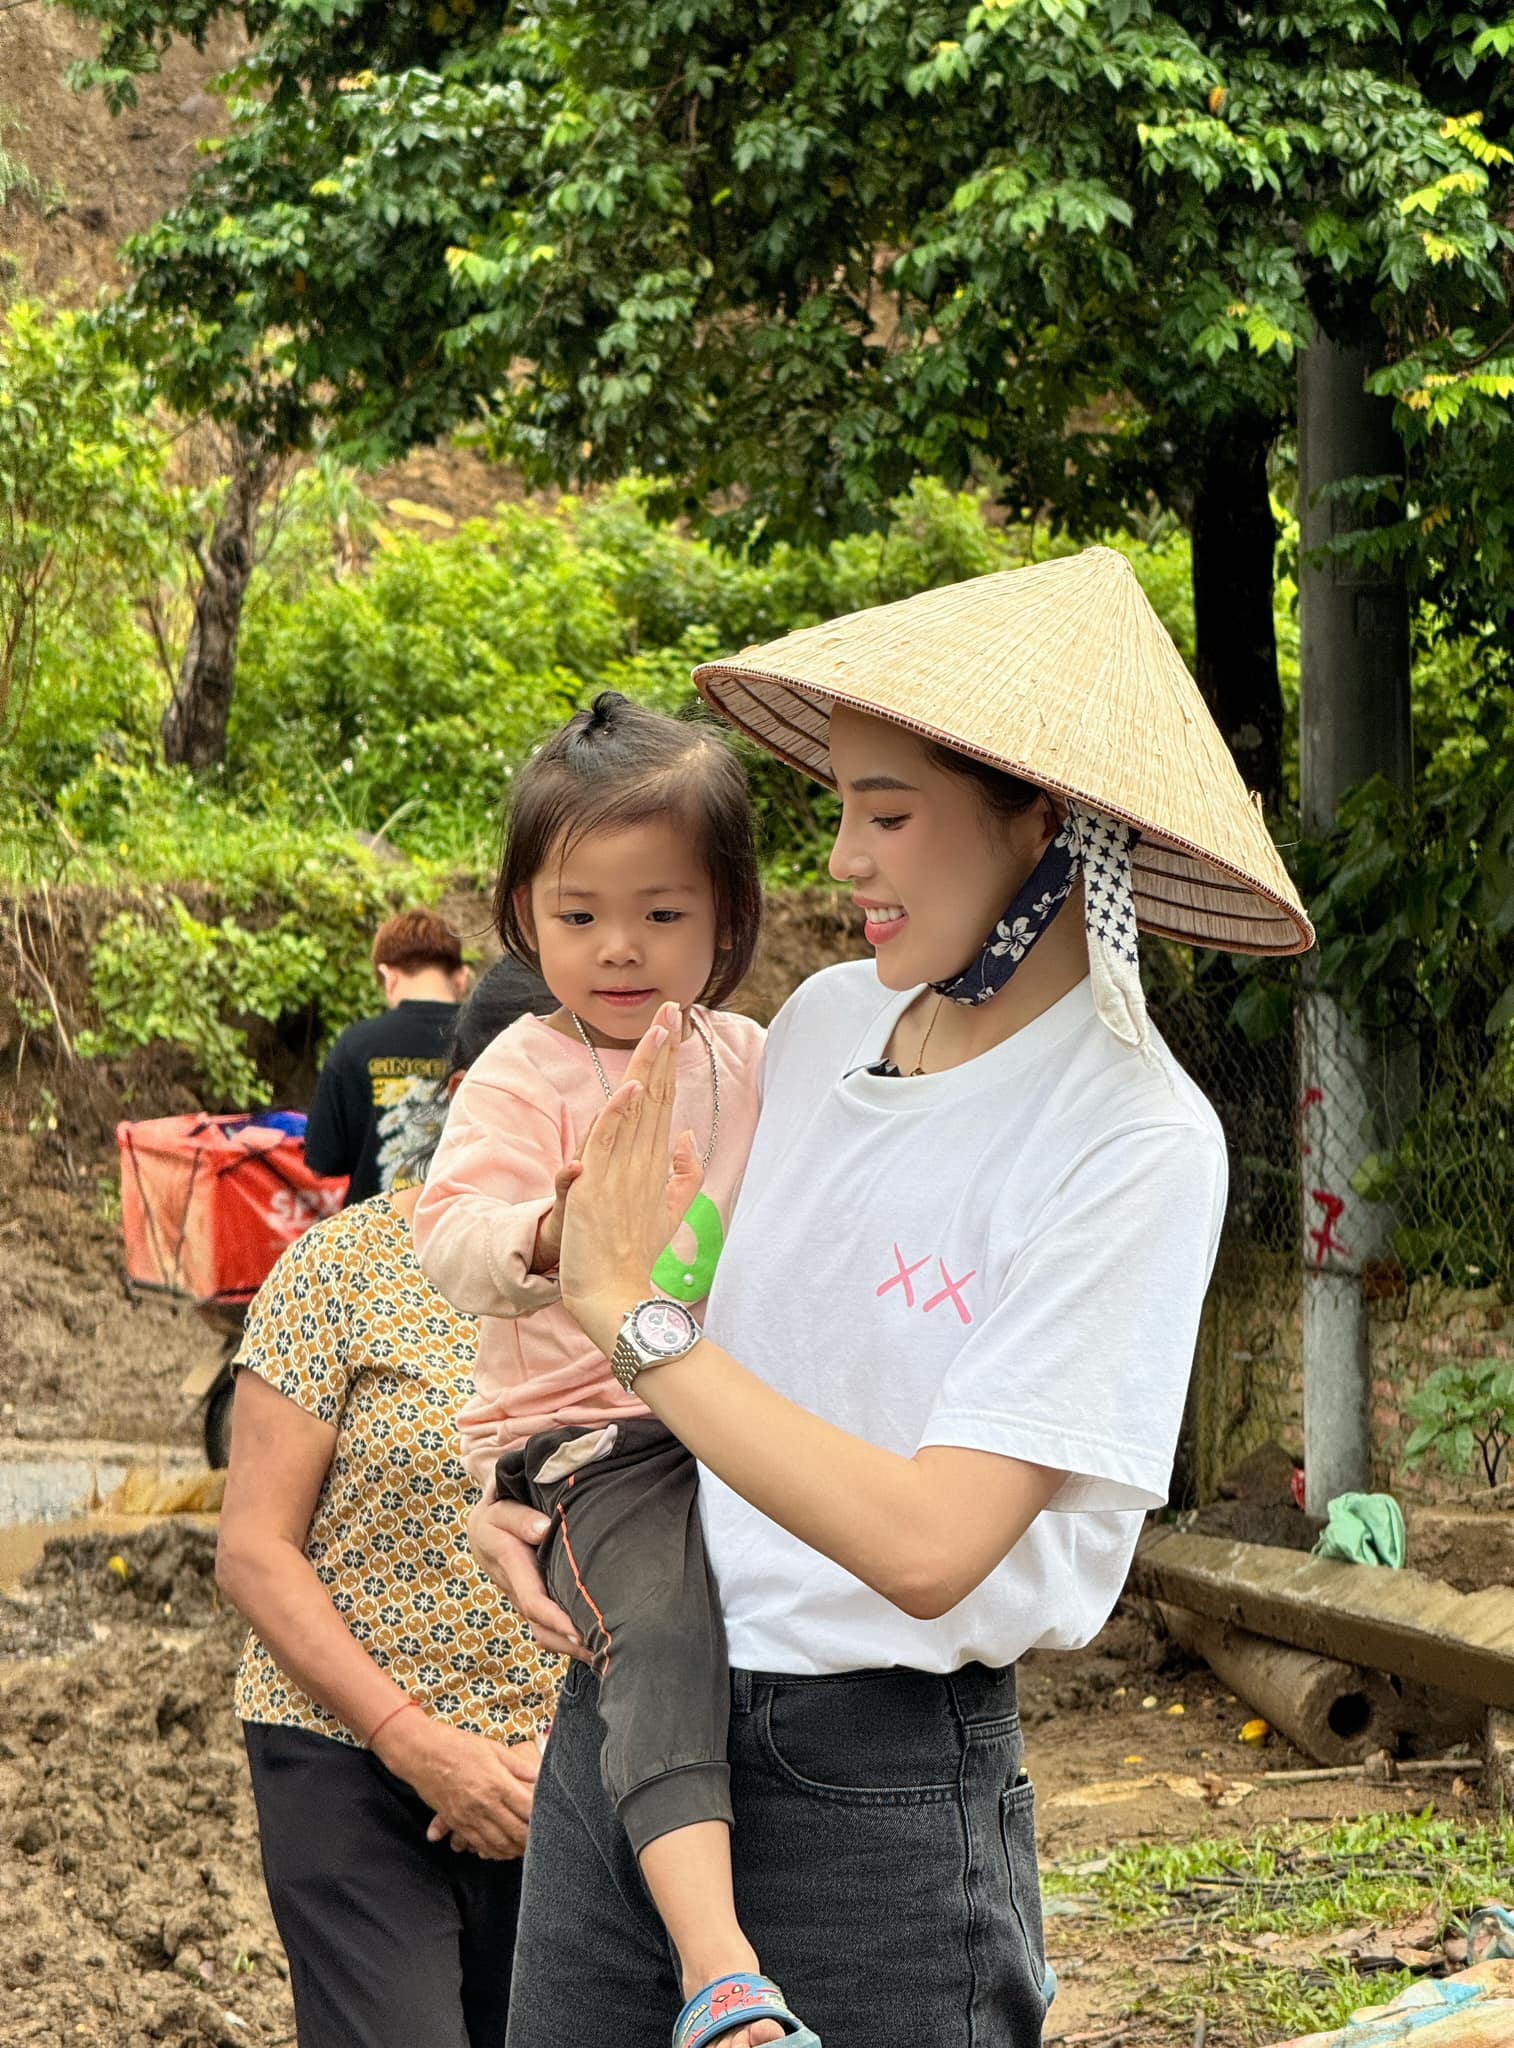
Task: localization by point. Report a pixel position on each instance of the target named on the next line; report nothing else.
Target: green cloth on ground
(1364, 1528)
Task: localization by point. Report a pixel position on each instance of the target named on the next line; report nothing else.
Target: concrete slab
(1392, 1621)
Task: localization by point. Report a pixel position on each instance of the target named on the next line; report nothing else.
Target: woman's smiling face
(929, 863)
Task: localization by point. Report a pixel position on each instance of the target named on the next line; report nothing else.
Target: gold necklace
(918, 1069)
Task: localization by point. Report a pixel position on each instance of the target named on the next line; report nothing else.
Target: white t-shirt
(1010, 1256)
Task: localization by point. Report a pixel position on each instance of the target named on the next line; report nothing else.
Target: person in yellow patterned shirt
(392, 1703)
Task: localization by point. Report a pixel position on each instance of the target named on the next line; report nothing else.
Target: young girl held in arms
(630, 880)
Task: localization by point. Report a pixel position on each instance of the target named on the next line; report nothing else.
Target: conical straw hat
(1063, 674)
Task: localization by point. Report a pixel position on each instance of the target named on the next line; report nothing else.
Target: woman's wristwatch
(654, 1331)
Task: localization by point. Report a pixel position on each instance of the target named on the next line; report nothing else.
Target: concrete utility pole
(1353, 724)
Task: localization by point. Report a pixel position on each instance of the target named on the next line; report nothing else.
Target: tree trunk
(1234, 542)
(194, 725)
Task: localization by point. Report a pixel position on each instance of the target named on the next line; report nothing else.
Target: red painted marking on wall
(1323, 1236)
(1313, 1098)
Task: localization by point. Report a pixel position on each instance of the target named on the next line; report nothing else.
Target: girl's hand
(549, 1230)
(618, 1210)
(479, 1790)
(503, 1535)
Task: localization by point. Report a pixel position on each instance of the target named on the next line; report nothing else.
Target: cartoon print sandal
(731, 2003)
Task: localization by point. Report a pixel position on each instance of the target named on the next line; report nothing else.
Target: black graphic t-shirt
(379, 1099)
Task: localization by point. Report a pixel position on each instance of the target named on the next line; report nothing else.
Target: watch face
(663, 1328)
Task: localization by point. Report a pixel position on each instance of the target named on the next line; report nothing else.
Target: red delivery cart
(207, 1205)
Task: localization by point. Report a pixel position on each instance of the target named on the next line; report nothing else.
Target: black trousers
(625, 1557)
(393, 1941)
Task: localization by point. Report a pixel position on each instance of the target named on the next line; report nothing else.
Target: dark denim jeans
(885, 1870)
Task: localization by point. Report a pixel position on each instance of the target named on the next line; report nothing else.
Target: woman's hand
(503, 1535)
(479, 1790)
(632, 1181)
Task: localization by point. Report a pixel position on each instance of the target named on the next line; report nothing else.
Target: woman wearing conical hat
(944, 1362)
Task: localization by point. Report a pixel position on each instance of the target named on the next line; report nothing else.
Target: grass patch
(1302, 1880)
(1296, 1882)
(1256, 2003)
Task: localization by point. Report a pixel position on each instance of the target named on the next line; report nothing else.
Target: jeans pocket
(833, 1740)
(1017, 1825)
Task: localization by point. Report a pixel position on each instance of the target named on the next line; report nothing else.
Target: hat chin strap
(1099, 849)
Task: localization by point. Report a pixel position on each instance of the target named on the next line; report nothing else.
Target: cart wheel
(215, 1420)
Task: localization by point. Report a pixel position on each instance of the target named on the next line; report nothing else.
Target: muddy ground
(79, 1356)
(131, 1912)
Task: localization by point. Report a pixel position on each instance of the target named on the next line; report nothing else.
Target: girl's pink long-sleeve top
(522, 1112)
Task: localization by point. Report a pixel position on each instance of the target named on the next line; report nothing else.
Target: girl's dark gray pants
(625, 1557)
(885, 1870)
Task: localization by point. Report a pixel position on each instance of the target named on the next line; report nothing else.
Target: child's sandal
(734, 2002)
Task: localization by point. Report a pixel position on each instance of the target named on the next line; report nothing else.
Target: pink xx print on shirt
(903, 1277)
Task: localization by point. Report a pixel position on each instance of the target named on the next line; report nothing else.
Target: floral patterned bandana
(1099, 849)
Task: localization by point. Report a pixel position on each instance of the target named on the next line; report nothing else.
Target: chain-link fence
(1374, 1162)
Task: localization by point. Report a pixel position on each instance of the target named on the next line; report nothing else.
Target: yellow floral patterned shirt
(349, 1327)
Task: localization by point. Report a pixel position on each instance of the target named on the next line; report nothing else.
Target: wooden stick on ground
(1418, 1767)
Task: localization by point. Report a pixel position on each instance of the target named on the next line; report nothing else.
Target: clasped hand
(479, 1790)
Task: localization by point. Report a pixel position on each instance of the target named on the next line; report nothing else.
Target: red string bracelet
(393, 1714)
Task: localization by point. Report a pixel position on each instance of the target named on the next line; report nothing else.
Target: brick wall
(1249, 1374)
(1411, 1337)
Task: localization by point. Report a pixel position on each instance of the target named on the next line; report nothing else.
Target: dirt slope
(101, 179)
(78, 1357)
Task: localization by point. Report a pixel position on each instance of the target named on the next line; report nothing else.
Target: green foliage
(780, 267)
(1413, 903)
(398, 697)
(81, 481)
(1366, 1870)
(403, 699)
(1462, 1410)
(180, 982)
(1267, 2001)
(1449, 1177)
(17, 179)
(159, 975)
(804, 258)
(423, 682)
